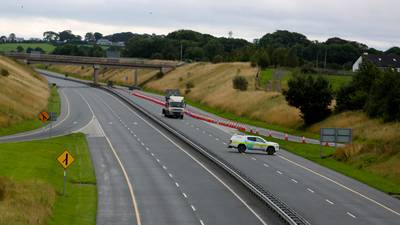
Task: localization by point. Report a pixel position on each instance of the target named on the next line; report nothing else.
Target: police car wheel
(242, 148)
(270, 150)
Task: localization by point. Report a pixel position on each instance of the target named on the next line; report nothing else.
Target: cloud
(373, 22)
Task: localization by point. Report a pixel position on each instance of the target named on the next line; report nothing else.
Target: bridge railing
(93, 60)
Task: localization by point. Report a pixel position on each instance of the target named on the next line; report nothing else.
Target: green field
(35, 162)
(8, 47)
(336, 80)
(54, 105)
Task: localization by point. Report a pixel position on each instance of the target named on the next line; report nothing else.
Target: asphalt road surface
(145, 176)
(320, 195)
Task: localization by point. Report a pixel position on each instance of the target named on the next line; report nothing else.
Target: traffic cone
(303, 140)
(286, 137)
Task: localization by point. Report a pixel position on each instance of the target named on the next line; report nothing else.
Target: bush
(240, 83)
(263, 59)
(110, 83)
(312, 96)
(189, 85)
(159, 75)
(308, 69)
(4, 72)
(218, 59)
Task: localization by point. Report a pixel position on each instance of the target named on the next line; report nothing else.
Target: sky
(373, 22)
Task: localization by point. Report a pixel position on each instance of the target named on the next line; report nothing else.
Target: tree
(291, 59)
(240, 83)
(3, 39)
(279, 57)
(89, 37)
(218, 59)
(50, 36)
(68, 36)
(263, 59)
(12, 37)
(312, 96)
(97, 36)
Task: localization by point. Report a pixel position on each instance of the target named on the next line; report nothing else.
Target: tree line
(280, 48)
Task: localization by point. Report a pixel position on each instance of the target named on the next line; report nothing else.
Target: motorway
(134, 157)
(320, 195)
(144, 174)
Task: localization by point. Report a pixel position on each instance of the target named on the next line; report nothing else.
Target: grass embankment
(23, 95)
(118, 76)
(8, 47)
(31, 193)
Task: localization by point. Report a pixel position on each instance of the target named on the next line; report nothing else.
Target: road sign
(44, 116)
(65, 159)
(335, 135)
(53, 116)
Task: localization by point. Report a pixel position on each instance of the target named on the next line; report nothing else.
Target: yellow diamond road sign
(65, 159)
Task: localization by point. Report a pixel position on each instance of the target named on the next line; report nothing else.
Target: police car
(245, 142)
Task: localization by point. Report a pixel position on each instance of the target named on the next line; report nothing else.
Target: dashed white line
(279, 172)
(266, 165)
(152, 154)
(204, 132)
(294, 181)
(164, 167)
(201, 222)
(224, 143)
(134, 135)
(158, 160)
(184, 195)
(177, 185)
(217, 139)
(147, 149)
(351, 215)
(193, 208)
(170, 175)
(308, 189)
(253, 158)
(327, 200)
(142, 143)
(210, 135)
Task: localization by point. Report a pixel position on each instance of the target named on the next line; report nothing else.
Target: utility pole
(181, 51)
(326, 53)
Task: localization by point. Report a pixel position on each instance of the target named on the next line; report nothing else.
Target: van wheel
(270, 150)
(242, 148)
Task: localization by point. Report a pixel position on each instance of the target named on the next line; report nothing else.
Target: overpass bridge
(97, 62)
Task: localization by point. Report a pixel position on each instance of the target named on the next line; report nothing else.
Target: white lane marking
(279, 172)
(129, 128)
(354, 217)
(204, 132)
(75, 122)
(135, 123)
(210, 135)
(147, 149)
(158, 160)
(152, 154)
(110, 123)
(224, 143)
(194, 159)
(253, 158)
(294, 180)
(134, 135)
(266, 165)
(142, 143)
(170, 175)
(184, 195)
(130, 186)
(138, 139)
(193, 208)
(217, 139)
(177, 185)
(310, 190)
(330, 202)
(342, 185)
(197, 128)
(164, 167)
(201, 222)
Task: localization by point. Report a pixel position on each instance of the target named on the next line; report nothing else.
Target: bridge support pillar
(96, 69)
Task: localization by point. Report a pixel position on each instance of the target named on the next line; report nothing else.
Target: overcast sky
(373, 22)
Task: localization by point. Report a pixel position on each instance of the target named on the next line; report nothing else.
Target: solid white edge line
(341, 185)
(194, 159)
(130, 187)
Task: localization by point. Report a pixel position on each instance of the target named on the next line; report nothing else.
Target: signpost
(43, 116)
(65, 159)
(335, 135)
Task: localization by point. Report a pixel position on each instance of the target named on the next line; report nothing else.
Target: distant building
(119, 44)
(19, 39)
(381, 61)
(104, 41)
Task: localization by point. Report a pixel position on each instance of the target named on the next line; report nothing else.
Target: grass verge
(35, 162)
(312, 153)
(54, 105)
(8, 47)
